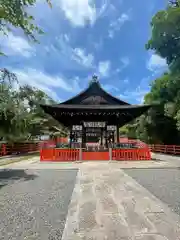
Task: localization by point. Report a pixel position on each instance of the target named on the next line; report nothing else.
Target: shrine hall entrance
(94, 135)
(93, 118)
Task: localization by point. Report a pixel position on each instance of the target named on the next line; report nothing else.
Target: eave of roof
(93, 107)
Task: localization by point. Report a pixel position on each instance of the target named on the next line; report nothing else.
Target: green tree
(20, 114)
(165, 92)
(165, 39)
(14, 13)
(161, 124)
(21, 117)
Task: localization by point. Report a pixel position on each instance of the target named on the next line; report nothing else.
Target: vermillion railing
(26, 147)
(167, 149)
(136, 154)
(57, 155)
(18, 148)
(49, 151)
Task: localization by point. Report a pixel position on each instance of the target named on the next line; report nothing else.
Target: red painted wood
(59, 155)
(170, 149)
(18, 148)
(131, 154)
(91, 156)
(47, 154)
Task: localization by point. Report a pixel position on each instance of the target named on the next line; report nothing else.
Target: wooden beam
(117, 133)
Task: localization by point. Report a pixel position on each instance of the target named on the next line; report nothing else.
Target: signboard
(94, 124)
(111, 128)
(93, 130)
(77, 128)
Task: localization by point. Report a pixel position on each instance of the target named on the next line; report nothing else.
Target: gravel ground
(34, 203)
(163, 183)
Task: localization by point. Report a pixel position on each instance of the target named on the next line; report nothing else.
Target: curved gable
(95, 95)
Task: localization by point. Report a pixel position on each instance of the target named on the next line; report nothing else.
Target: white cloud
(46, 82)
(98, 44)
(76, 84)
(16, 45)
(125, 61)
(83, 12)
(79, 12)
(117, 70)
(104, 68)
(66, 37)
(118, 23)
(69, 57)
(109, 87)
(79, 55)
(156, 63)
(136, 95)
(126, 80)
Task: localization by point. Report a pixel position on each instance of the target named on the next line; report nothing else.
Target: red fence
(50, 153)
(131, 154)
(18, 148)
(94, 156)
(57, 155)
(136, 142)
(26, 147)
(170, 149)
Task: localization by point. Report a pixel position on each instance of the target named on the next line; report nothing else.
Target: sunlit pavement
(106, 203)
(162, 161)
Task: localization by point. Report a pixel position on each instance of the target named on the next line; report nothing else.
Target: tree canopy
(14, 14)
(21, 117)
(162, 124)
(165, 39)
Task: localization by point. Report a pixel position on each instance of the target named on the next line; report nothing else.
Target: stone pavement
(36, 164)
(108, 204)
(160, 161)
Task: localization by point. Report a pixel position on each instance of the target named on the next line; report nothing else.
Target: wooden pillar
(83, 144)
(85, 138)
(101, 136)
(106, 137)
(71, 136)
(113, 137)
(117, 133)
(82, 135)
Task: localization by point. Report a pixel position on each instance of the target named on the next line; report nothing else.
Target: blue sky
(83, 38)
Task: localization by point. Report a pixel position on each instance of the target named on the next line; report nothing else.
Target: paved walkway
(108, 204)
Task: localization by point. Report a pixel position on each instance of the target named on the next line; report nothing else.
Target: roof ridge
(94, 83)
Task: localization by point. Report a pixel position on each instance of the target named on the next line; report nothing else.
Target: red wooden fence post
(165, 149)
(174, 149)
(4, 152)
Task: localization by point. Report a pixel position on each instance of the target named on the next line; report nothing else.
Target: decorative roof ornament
(94, 79)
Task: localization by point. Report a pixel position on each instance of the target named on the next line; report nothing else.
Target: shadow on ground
(10, 175)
